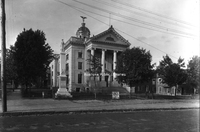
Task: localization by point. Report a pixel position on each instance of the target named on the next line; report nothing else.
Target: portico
(108, 61)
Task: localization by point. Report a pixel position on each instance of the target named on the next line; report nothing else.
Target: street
(149, 121)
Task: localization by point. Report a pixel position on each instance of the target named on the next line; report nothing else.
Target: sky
(159, 26)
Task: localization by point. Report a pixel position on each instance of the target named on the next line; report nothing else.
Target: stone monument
(62, 90)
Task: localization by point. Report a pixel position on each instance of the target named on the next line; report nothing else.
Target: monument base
(63, 93)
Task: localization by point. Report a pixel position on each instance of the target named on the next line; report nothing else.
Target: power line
(151, 12)
(115, 28)
(76, 8)
(130, 23)
(147, 44)
(135, 20)
(141, 14)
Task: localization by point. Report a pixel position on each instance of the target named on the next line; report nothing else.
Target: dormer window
(110, 39)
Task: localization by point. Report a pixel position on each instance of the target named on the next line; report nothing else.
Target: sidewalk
(17, 105)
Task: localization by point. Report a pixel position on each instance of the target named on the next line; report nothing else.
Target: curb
(38, 113)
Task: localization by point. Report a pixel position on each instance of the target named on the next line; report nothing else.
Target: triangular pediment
(110, 36)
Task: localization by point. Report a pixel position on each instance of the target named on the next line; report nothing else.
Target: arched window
(110, 39)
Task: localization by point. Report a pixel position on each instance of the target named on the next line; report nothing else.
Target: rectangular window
(67, 67)
(80, 55)
(67, 57)
(79, 78)
(52, 73)
(79, 65)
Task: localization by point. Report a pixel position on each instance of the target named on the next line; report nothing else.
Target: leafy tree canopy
(10, 67)
(11, 74)
(135, 66)
(31, 55)
(193, 71)
(94, 66)
(172, 73)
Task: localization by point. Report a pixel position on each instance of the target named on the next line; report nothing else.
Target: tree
(135, 66)
(11, 74)
(32, 56)
(172, 74)
(194, 72)
(94, 69)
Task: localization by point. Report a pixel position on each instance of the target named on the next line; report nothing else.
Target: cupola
(83, 31)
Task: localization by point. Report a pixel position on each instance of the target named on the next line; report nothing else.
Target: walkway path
(17, 104)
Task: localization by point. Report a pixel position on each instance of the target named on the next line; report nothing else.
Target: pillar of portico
(92, 52)
(86, 75)
(115, 82)
(103, 64)
(114, 64)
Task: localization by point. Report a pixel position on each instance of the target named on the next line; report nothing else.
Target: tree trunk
(16, 84)
(193, 91)
(176, 87)
(95, 94)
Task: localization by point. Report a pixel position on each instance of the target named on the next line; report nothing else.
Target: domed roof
(83, 32)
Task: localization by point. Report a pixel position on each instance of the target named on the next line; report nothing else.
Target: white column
(92, 52)
(86, 66)
(114, 63)
(103, 64)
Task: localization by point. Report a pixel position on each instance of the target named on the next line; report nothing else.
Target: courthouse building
(68, 69)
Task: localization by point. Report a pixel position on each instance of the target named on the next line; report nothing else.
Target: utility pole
(3, 53)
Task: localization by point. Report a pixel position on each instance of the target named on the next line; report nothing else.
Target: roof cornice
(74, 41)
(111, 29)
